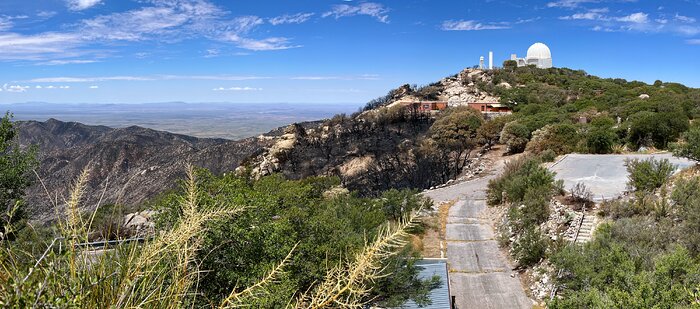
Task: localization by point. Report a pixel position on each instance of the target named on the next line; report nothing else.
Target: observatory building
(538, 54)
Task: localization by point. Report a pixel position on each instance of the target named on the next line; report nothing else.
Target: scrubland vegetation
(570, 111)
(221, 241)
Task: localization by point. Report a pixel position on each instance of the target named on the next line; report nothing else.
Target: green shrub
(548, 155)
(520, 176)
(689, 147)
(560, 138)
(648, 175)
(600, 140)
(686, 200)
(530, 247)
(515, 136)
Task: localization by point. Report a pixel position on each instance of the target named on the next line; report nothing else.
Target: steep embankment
(128, 165)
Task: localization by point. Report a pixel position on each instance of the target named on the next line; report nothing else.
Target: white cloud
(684, 19)
(358, 77)
(376, 10)
(68, 61)
(14, 88)
(5, 23)
(639, 18)
(569, 4)
(94, 87)
(592, 14)
(79, 5)
(471, 25)
(237, 89)
(163, 21)
(688, 30)
(66, 79)
(87, 79)
(46, 14)
(291, 19)
(15, 46)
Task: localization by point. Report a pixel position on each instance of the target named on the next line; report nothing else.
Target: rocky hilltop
(130, 165)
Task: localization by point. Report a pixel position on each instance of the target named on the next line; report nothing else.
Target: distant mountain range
(211, 120)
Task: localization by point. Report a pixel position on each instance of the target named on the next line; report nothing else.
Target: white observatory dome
(539, 51)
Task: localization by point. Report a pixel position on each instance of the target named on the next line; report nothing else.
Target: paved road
(604, 175)
(480, 276)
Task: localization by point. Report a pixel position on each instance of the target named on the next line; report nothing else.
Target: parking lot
(604, 175)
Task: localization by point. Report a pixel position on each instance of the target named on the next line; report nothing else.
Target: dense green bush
(530, 247)
(689, 147)
(648, 175)
(284, 214)
(611, 272)
(686, 200)
(521, 176)
(515, 136)
(649, 128)
(560, 138)
(490, 131)
(600, 140)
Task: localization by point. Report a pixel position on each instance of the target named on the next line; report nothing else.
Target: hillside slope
(130, 165)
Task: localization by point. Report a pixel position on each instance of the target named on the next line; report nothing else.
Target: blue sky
(138, 51)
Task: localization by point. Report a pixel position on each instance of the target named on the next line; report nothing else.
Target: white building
(538, 54)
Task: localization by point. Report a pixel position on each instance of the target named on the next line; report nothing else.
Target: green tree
(600, 140)
(648, 175)
(515, 136)
(15, 165)
(689, 147)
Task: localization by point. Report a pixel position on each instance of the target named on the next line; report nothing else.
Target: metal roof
(440, 297)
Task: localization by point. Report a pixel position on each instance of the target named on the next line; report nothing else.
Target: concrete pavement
(604, 175)
(480, 276)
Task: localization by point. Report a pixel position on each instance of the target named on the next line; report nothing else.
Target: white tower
(481, 62)
(490, 60)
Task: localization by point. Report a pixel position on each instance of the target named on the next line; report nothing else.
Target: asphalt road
(480, 276)
(604, 175)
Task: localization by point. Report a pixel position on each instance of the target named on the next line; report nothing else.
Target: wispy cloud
(376, 10)
(318, 77)
(635, 22)
(638, 18)
(64, 62)
(237, 89)
(291, 19)
(163, 21)
(87, 79)
(592, 14)
(15, 46)
(46, 14)
(693, 41)
(14, 88)
(471, 25)
(79, 5)
(685, 19)
(569, 4)
(94, 87)
(92, 79)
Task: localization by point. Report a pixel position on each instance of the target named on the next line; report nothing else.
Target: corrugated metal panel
(440, 297)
